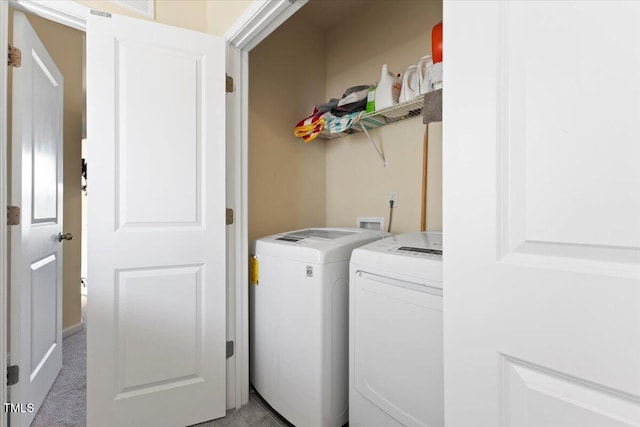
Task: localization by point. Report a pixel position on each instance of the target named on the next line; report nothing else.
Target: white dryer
(299, 322)
(395, 326)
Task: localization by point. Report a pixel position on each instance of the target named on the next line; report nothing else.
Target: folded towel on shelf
(308, 129)
(337, 115)
(335, 124)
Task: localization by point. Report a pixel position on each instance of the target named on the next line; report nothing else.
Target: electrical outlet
(393, 195)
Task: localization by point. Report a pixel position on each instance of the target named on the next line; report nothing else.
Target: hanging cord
(390, 215)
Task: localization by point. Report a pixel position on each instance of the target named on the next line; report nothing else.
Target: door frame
(252, 27)
(259, 20)
(4, 40)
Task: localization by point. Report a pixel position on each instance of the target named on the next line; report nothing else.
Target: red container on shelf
(436, 43)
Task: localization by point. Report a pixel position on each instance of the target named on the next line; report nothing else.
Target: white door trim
(259, 20)
(4, 40)
(65, 12)
(253, 26)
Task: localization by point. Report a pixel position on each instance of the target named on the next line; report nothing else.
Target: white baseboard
(72, 329)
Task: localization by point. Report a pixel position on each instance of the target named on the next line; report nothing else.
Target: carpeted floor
(66, 403)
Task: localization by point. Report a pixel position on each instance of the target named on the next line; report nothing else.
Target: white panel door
(36, 252)
(542, 213)
(156, 224)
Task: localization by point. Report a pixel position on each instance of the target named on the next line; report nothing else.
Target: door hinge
(230, 349)
(229, 216)
(13, 215)
(229, 83)
(13, 374)
(14, 56)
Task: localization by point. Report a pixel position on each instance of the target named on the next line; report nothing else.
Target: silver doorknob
(65, 236)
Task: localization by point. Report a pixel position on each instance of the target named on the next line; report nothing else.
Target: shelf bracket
(375, 146)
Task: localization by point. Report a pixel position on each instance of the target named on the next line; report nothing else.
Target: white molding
(4, 40)
(236, 316)
(252, 27)
(72, 329)
(521, 379)
(244, 246)
(234, 365)
(243, 250)
(65, 12)
(259, 20)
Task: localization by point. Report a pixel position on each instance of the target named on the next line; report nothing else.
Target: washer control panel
(425, 252)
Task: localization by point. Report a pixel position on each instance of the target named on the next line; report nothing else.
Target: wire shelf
(382, 117)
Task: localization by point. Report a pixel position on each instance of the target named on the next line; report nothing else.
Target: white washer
(395, 327)
(299, 322)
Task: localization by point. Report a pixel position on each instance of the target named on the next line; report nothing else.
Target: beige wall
(191, 14)
(396, 33)
(221, 14)
(286, 176)
(66, 47)
(212, 16)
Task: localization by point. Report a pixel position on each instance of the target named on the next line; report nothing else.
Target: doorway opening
(336, 177)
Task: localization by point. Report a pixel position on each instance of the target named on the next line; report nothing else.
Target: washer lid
(316, 245)
(319, 233)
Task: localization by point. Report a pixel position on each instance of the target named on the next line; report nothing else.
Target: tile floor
(257, 413)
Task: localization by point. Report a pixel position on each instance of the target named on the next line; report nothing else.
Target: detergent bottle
(410, 86)
(436, 43)
(424, 73)
(388, 90)
(371, 100)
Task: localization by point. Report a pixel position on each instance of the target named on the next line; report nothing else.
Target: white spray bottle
(388, 90)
